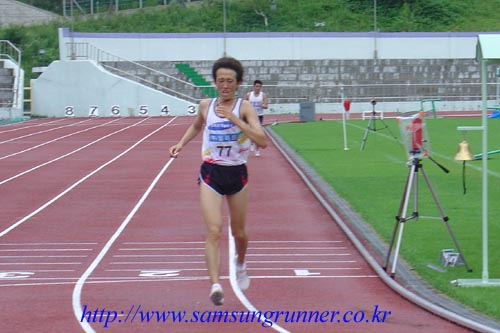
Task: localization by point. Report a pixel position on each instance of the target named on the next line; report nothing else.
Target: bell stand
(372, 125)
(411, 187)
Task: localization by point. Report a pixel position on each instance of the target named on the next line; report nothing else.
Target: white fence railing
(11, 52)
(113, 62)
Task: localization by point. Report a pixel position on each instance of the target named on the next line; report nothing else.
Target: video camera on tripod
(414, 135)
(372, 125)
(416, 141)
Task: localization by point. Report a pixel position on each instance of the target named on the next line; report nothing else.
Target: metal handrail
(157, 86)
(11, 52)
(88, 51)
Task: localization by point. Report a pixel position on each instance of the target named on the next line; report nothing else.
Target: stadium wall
(248, 47)
(276, 45)
(82, 88)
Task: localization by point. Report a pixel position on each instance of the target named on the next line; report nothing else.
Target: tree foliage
(258, 16)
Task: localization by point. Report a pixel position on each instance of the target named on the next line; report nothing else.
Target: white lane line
(234, 284)
(24, 127)
(299, 248)
(156, 255)
(77, 291)
(159, 243)
(295, 241)
(81, 180)
(42, 250)
(49, 256)
(153, 269)
(156, 262)
(313, 277)
(56, 139)
(68, 154)
(91, 281)
(163, 249)
(44, 131)
(53, 270)
(114, 280)
(49, 244)
(41, 263)
(310, 268)
(297, 254)
(302, 261)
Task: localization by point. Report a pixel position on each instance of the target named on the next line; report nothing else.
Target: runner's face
(226, 83)
(256, 88)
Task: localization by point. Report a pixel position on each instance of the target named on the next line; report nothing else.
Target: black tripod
(412, 181)
(372, 125)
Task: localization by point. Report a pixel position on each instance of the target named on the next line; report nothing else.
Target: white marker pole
(343, 118)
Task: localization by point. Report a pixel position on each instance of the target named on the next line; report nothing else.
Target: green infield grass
(373, 181)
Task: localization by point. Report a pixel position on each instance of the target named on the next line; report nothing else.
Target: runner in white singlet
(224, 143)
(228, 124)
(259, 101)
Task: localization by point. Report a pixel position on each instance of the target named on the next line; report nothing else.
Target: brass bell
(463, 152)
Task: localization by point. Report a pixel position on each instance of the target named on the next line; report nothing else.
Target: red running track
(100, 227)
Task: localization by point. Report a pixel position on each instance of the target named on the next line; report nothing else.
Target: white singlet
(223, 142)
(257, 102)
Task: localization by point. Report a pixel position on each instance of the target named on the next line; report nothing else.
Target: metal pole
(498, 86)
(485, 279)
(224, 25)
(484, 93)
(343, 117)
(375, 30)
(73, 57)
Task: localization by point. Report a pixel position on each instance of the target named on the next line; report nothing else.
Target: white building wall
(271, 46)
(82, 88)
(83, 85)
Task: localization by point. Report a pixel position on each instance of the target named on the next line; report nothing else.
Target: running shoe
(257, 153)
(216, 294)
(242, 276)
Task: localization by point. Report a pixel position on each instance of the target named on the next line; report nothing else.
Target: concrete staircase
(7, 80)
(401, 85)
(323, 81)
(197, 79)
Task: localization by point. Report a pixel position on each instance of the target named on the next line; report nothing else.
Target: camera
(414, 134)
